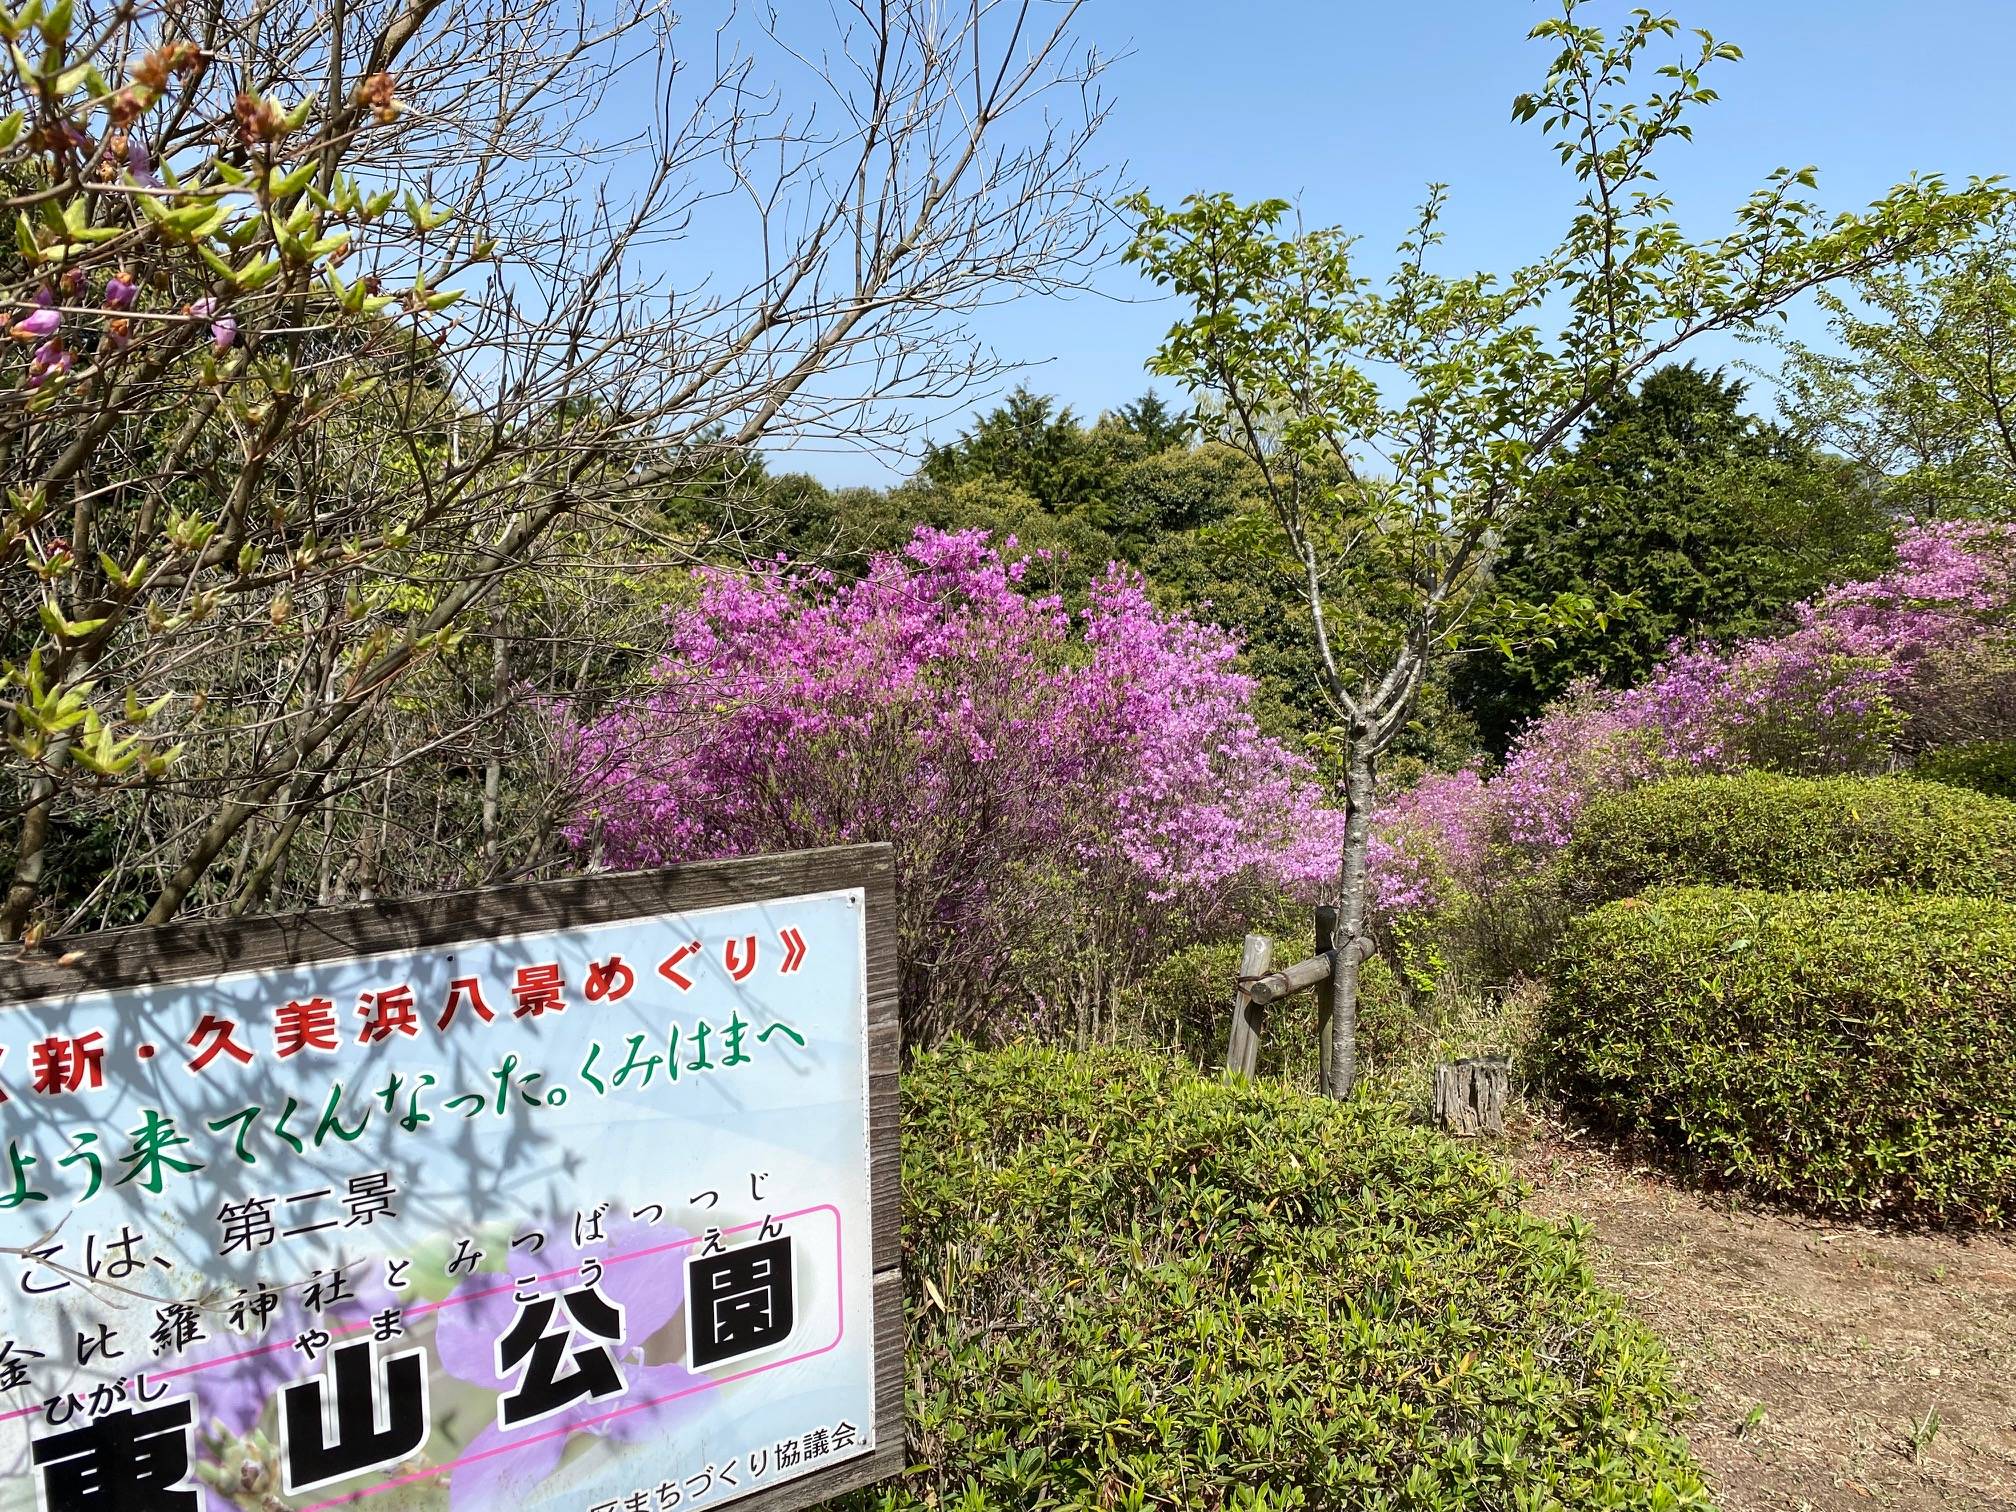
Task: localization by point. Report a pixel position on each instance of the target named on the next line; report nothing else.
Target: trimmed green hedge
(1986, 766)
(1129, 1286)
(1790, 834)
(1855, 1052)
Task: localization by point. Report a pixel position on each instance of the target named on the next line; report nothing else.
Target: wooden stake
(1242, 1050)
(1326, 990)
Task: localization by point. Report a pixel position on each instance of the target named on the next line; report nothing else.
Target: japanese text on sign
(576, 1219)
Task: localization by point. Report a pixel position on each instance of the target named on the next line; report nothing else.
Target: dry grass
(1836, 1366)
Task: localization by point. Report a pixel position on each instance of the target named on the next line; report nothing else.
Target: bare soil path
(1815, 1349)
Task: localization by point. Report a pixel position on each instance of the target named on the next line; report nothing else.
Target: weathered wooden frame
(177, 952)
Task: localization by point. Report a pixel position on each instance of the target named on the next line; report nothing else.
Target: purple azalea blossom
(650, 1289)
(50, 357)
(140, 164)
(39, 324)
(120, 291)
(1830, 694)
(944, 704)
(223, 328)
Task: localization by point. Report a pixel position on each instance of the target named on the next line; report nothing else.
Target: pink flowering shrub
(1849, 687)
(1429, 838)
(1068, 795)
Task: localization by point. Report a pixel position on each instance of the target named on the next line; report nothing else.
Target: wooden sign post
(570, 1197)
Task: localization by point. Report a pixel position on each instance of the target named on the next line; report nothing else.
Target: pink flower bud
(223, 329)
(51, 357)
(38, 325)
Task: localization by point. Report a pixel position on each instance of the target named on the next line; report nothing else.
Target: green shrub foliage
(1986, 766)
(1788, 834)
(1130, 1287)
(1854, 1052)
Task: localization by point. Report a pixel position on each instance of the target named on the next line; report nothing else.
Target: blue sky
(1350, 107)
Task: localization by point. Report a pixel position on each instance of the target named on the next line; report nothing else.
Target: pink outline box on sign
(351, 1497)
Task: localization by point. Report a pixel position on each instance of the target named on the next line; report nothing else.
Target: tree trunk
(1353, 945)
(1326, 991)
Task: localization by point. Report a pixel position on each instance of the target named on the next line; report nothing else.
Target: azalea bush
(1069, 794)
(1292, 1304)
(1854, 684)
(1850, 1051)
(1794, 834)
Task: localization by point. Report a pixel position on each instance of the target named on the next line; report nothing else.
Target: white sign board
(569, 1215)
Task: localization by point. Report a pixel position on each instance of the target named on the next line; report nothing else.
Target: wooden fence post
(1242, 1050)
(1326, 990)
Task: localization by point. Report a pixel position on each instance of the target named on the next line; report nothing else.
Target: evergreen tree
(1034, 444)
(1711, 519)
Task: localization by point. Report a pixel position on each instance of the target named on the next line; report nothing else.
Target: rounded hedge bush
(1986, 766)
(1789, 834)
(1129, 1286)
(1854, 1052)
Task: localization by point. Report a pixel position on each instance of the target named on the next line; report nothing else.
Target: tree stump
(1470, 1095)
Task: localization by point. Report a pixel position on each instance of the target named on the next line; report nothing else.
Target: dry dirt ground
(1815, 1349)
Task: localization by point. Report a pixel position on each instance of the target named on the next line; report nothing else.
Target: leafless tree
(362, 345)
